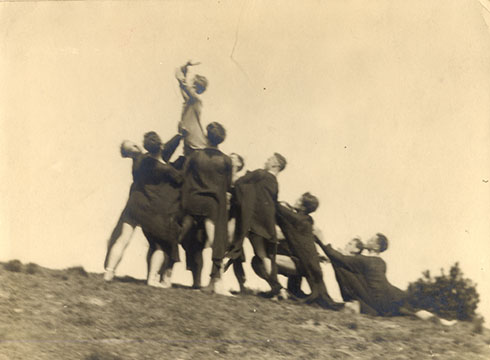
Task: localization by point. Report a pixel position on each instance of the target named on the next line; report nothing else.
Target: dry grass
(71, 314)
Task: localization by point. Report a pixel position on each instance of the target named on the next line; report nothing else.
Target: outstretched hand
(187, 64)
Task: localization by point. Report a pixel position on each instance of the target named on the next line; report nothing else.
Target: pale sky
(382, 109)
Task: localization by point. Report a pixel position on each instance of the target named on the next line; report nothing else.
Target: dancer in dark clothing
(255, 200)
(366, 279)
(297, 227)
(347, 280)
(208, 174)
(153, 204)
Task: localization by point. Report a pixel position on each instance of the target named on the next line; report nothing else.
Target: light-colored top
(190, 121)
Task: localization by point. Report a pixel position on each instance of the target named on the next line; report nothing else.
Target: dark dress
(154, 202)
(254, 204)
(207, 178)
(364, 277)
(298, 231)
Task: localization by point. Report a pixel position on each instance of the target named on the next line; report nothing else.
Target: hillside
(69, 314)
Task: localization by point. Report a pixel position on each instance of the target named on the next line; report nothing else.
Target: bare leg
(155, 266)
(116, 251)
(266, 266)
(209, 228)
(116, 233)
(166, 272)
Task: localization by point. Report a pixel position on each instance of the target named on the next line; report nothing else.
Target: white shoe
(283, 294)
(448, 322)
(219, 289)
(108, 275)
(353, 306)
(165, 284)
(156, 284)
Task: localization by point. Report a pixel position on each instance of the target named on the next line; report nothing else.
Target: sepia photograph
(218, 179)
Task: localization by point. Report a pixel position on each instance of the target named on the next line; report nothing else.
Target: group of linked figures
(199, 201)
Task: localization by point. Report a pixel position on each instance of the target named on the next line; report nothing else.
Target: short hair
(382, 242)
(310, 202)
(152, 142)
(216, 133)
(359, 245)
(281, 160)
(201, 81)
(242, 162)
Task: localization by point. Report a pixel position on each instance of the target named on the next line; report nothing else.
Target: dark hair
(281, 160)
(310, 202)
(201, 81)
(242, 162)
(382, 242)
(216, 133)
(152, 142)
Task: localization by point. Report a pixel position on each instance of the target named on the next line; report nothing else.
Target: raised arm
(351, 263)
(181, 76)
(168, 172)
(170, 146)
(289, 215)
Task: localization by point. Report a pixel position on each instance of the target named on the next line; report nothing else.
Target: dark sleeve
(229, 173)
(272, 187)
(289, 215)
(250, 177)
(170, 147)
(351, 263)
(168, 172)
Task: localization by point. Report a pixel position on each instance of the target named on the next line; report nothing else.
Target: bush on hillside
(450, 296)
(13, 265)
(32, 268)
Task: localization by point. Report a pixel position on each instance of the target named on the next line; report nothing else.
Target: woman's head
(129, 149)
(216, 133)
(152, 142)
(237, 161)
(200, 84)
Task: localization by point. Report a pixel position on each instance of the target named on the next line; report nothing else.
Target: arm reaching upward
(181, 76)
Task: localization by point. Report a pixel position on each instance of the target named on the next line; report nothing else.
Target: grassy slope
(69, 314)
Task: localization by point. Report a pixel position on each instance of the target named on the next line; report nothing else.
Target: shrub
(32, 268)
(450, 296)
(13, 265)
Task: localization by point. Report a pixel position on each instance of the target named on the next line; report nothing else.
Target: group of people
(199, 200)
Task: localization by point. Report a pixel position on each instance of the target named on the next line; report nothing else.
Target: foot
(156, 284)
(274, 292)
(209, 289)
(353, 306)
(166, 284)
(448, 322)
(245, 290)
(283, 294)
(109, 275)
